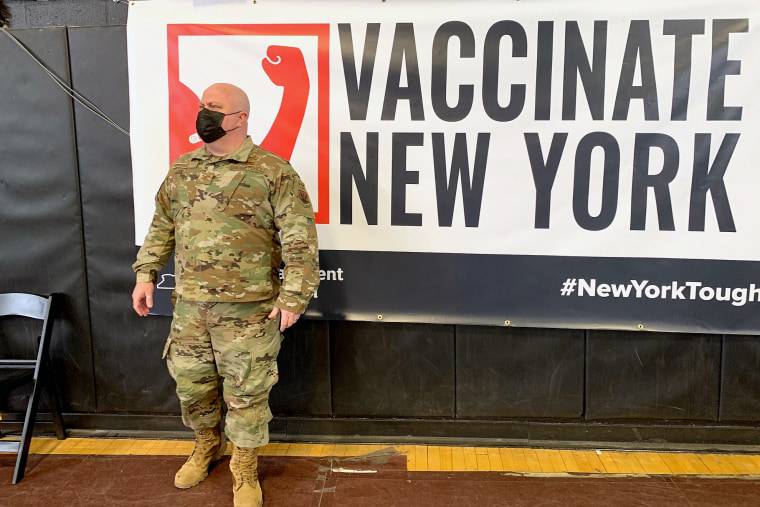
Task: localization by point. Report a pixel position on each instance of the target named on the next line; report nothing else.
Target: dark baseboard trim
(619, 435)
(569, 434)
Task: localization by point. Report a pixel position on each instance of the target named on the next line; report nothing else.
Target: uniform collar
(239, 155)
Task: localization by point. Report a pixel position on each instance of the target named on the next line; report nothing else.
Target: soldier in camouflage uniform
(232, 212)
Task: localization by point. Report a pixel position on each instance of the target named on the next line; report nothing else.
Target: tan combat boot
(245, 479)
(210, 445)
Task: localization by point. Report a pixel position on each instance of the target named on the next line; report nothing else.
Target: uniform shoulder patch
(303, 196)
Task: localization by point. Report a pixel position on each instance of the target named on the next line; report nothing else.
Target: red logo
(285, 71)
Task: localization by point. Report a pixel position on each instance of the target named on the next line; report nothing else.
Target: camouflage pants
(234, 344)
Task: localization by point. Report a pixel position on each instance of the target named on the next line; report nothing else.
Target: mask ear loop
(228, 114)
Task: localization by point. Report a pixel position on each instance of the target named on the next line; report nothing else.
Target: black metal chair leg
(44, 309)
(26, 433)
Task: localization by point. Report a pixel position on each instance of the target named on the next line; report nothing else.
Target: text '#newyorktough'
(675, 290)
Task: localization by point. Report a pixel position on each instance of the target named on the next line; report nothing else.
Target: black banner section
(541, 291)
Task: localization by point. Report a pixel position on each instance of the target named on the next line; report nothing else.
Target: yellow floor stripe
(557, 461)
(645, 462)
(609, 463)
(457, 459)
(521, 463)
(507, 459)
(451, 459)
(629, 463)
(447, 459)
(481, 458)
(470, 458)
(533, 458)
(298, 450)
(569, 459)
(494, 459)
(434, 458)
(584, 465)
(755, 460)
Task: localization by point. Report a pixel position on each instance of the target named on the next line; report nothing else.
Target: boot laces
(205, 435)
(246, 464)
(204, 441)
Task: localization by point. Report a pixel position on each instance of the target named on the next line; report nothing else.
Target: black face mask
(208, 124)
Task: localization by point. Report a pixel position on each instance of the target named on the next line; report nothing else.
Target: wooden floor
(423, 458)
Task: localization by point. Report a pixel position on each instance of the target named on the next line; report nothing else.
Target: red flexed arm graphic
(184, 108)
(286, 67)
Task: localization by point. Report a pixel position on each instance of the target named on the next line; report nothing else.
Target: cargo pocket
(262, 373)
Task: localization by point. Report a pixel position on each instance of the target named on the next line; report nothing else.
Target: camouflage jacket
(231, 221)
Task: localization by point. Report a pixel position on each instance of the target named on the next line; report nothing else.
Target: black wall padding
(392, 370)
(740, 379)
(129, 373)
(304, 388)
(519, 372)
(41, 226)
(652, 376)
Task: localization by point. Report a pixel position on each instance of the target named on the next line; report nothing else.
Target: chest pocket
(223, 187)
(250, 198)
(206, 189)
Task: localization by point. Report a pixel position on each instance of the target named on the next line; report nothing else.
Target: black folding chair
(33, 371)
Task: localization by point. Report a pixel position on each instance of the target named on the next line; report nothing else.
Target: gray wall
(37, 14)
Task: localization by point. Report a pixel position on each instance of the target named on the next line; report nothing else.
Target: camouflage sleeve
(159, 242)
(294, 218)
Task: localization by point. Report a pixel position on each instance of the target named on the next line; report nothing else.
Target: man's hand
(142, 298)
(286, 320)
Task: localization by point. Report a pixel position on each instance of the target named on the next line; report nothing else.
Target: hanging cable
(81, 99)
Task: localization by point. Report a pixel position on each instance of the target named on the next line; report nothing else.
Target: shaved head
(230, 96)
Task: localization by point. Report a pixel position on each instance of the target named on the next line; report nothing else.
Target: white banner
(540, 127)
